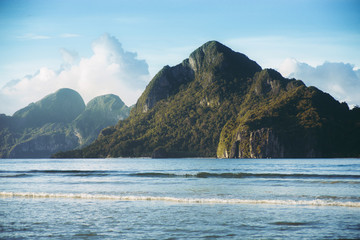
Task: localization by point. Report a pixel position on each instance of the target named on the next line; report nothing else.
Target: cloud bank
(110, 69)
(341, 80)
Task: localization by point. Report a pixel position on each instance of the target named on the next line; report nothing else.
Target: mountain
(100, 112)
(58, 122)
(219, 103)
(63, 106)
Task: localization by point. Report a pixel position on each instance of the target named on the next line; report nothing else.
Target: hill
(219, 103)
(58, 122)
(100, 112)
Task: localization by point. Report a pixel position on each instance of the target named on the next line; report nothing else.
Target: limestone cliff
(44, 145)
(267, 143)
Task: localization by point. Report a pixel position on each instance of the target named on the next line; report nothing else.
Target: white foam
(316, 202)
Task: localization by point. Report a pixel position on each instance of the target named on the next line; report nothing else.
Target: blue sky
(41, 39)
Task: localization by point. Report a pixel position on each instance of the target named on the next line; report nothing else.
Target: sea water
(180, 199)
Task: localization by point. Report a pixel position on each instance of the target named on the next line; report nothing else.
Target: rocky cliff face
(165, 84)
(266, 143)
(261, 143)
(43, 146)
(214, 57)
(220, 103)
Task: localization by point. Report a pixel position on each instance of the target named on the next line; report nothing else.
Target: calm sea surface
(180, 199)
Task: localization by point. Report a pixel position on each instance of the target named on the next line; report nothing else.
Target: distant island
(58, 122)
(219, 103)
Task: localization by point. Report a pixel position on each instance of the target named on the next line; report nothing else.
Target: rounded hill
(63, 106)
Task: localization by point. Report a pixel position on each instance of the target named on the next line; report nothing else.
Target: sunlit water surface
(180, 199)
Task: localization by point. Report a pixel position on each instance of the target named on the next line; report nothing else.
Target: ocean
(179, 198)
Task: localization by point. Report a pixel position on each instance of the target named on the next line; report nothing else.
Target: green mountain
(100, 112)
(219, 103)
(62, 106)
(58, 122)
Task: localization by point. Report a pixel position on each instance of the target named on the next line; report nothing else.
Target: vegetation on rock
(219, 103)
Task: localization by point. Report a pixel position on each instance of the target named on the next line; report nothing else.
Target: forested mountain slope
(219, 103)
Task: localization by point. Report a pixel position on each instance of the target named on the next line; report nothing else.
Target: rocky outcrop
(44, 146)
(262, 143)
(205, 63)
(165, 84)
(268, 143)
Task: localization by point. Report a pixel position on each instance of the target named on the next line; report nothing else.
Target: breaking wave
(333, 178)
(81, 173)
(245, 175)
(317, 202)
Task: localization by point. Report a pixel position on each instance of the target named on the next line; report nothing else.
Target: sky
(98, 47)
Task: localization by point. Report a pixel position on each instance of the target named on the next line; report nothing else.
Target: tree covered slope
(219, 103)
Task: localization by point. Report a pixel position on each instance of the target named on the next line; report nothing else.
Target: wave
(20, 175)
(290, 223)
(156, 174)
(245, 175)
(99, 173)
(338, 182)
(82, 173)
(316, 202)
(74, 172)
(338, 197)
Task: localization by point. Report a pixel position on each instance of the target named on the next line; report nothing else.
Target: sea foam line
(316, 202)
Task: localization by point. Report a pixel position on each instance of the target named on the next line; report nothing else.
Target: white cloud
(341, 80)
(110, 69)
(270, 50)
(288, 67)
(32, 36)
